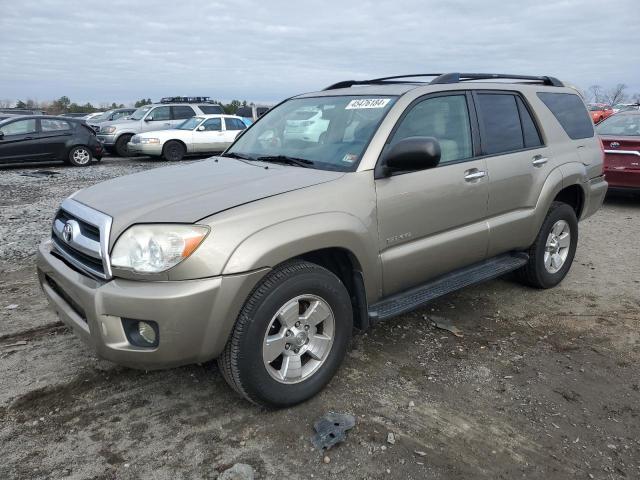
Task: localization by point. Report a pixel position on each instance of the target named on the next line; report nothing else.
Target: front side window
(570, 112)
(444, 118)
(329, 133)
(160, 113)
(499, 123)
(213, 124)
(182, 112)
(624, 125)
(118, 115)
(49, 125)
(21, 127)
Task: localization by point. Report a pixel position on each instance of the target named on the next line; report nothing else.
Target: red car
(620, 136)
(600, 112)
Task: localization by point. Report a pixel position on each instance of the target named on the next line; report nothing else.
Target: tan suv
(336, 209)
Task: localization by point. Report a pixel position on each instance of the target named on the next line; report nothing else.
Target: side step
(416, 297)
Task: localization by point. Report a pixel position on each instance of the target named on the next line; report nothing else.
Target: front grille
(80, 235)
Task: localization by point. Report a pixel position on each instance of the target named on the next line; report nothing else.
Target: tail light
(603, 154)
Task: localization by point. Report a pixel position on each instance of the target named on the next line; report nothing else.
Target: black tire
(173, 151)
(121, 149)
(241, 362)
(534, 273)
(80, 156)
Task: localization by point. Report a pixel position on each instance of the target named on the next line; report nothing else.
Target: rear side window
(499, 123)
(50, 125)
(211, 109)
(529, 130)
(182, 112)
(234, 124)
(570, 113)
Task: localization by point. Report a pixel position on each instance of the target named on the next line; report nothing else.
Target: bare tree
(595, 94)
(616, 94)
(6, 103)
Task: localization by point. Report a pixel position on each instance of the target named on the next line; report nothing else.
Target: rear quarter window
(570, 112)
(211, 109)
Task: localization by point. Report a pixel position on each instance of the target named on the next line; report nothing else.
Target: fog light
(147, 332)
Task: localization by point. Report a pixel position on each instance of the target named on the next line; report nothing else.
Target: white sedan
(194, 136)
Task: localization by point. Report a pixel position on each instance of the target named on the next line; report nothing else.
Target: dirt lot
(543, 384)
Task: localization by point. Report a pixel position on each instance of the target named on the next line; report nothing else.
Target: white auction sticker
(367, 103)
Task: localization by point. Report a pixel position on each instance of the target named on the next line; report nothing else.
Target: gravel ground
(542, 384)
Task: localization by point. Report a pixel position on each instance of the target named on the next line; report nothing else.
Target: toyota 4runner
(266, 257)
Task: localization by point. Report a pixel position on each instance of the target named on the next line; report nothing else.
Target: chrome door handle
(472, 175)
(539, 160)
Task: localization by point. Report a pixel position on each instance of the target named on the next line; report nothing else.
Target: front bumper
(154, 149)
(107, 139)
(194, 317)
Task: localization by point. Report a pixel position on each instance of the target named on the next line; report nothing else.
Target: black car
(38, 138)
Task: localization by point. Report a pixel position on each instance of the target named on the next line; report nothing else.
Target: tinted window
(50, 125)
(19, 128)
(445, 118)
(182, 112)
(211, 109)
(570, 113)
(234, 124)
(244, 112)
(118, 115)
(161, 113)
(499, 123)
(213, 124)
(529, 129)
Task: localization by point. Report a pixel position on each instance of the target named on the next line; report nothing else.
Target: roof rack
(186, 100)
(445, 78)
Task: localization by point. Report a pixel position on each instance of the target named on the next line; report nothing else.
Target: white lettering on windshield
(367, 103)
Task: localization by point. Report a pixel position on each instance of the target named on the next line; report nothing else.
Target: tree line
(65, 105)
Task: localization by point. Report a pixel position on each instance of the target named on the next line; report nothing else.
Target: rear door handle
(539, 160)
(471, 175)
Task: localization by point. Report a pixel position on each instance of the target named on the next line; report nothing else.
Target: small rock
(611, 446)
(326, 459)
(412, 403)
(420, 453)
(240, 471)
(391, 438)
(13, 306)
(383, 448)
(126, 465)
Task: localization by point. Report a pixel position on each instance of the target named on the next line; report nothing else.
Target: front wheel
(173, 151)
(122, 148)
(552, 253)
(80, 156)
(290, 337)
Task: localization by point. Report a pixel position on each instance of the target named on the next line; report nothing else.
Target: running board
(416, 297)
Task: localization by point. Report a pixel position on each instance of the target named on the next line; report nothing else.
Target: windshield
(626, 125)
(141, 112)
(328, 133)
(190, 123)
(103, 116)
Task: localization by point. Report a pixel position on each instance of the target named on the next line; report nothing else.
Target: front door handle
(471, 175)
(539, 160)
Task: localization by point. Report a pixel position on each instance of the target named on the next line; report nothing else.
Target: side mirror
(1, 134)
(200, 128)
(148, 118)
(411, 153)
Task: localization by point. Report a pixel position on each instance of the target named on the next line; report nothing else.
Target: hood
(120, 121)
(188, 193)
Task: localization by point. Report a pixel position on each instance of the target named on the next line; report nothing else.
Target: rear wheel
(121, 145)
(552, 253)
(80, 156)
(290, 337)
(173, 151)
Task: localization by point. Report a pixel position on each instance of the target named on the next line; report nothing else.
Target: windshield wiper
(240, 156)
(299, 162)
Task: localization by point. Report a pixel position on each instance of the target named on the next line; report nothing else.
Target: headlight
(156, 248)
(149, 140)
(107, 129)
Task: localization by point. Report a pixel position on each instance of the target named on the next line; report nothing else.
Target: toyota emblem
(67, 232)
(614, 144)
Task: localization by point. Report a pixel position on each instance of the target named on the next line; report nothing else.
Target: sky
(264, 51)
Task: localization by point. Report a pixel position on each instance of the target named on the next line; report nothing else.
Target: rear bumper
(623, 178)
(596, 189)
(194, 317)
